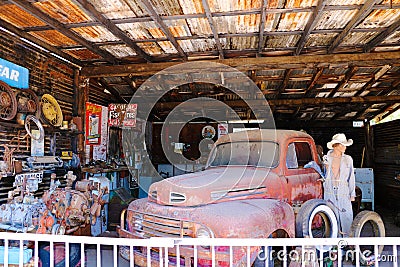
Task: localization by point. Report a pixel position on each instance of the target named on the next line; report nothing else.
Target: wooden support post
(369, 148)
(81, 97)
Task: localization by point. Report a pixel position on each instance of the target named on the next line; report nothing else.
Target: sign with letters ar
(14, 75)
(122, 115)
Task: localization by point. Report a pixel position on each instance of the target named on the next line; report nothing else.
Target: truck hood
(215, 184)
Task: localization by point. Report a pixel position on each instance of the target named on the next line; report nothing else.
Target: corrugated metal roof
(54, 38)
(380, 18)
(118, 9)
(82, 53)
(65, 11)
(119, 51)
(18, 17)
(336, 19)
(293, 21)
(355, 38)
(96, 34)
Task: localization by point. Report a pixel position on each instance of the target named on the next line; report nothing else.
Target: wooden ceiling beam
(312, 21)
(210, 19)
(86, 5)
(244, 64)
(293, 102)
(25, 5)
(157, 19)
(318, 73)
(382, 36)
(111, 89)
(373, 80)
(284, 83)
(361, 14)
(342, 83)
(263, 17)
(390, 110)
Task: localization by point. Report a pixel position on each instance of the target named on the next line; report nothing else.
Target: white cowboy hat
(339, 139)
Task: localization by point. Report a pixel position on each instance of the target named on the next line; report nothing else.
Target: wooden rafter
(373, 80)
(293, 102)
(210, 19)
(157, 19)
(244, 64)
(361, 14)
(113, 28)
(314, 80)
(382, 36)
(312, 21)
(263, 17)
(390, 110)
(343, 82)
(25, 5)
(114, 92)
(285, 81)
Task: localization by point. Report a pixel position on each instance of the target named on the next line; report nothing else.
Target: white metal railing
(192, 251)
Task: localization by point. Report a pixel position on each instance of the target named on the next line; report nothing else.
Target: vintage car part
(44, 162)
(51, 110)
(8, 102)
(27, 102)
(361, 227)
(28, 120)
(22, 211)
(70, 209)
(316, 218)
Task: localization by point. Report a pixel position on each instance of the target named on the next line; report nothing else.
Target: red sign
(122, 115)
(93, 124)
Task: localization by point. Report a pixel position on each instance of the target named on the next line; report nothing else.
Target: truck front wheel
(316, 220)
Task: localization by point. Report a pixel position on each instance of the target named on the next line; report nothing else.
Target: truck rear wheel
(367, 224)
(316, 219)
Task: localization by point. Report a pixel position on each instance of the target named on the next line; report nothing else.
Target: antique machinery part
(27, 102)
(28, 120)
(7, 157)
(51, 110)
(18, 138)
(8, 102)
(84, 185)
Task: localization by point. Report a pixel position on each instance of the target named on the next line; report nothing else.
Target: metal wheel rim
(9, 110)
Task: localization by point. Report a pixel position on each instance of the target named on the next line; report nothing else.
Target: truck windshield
(260, 154)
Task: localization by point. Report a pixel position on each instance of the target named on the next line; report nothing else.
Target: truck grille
(146, 225)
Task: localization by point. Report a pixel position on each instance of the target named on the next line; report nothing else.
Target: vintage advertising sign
(14, 75)
(122, 115)
(93, 123)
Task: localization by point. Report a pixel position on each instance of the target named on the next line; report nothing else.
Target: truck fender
(313, 214)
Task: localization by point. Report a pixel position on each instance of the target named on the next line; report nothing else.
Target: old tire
(316, 211)
(359, 228)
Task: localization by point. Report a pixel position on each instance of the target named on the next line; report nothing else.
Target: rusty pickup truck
(253, 186)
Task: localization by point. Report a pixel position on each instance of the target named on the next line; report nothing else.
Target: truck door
(303, 182)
